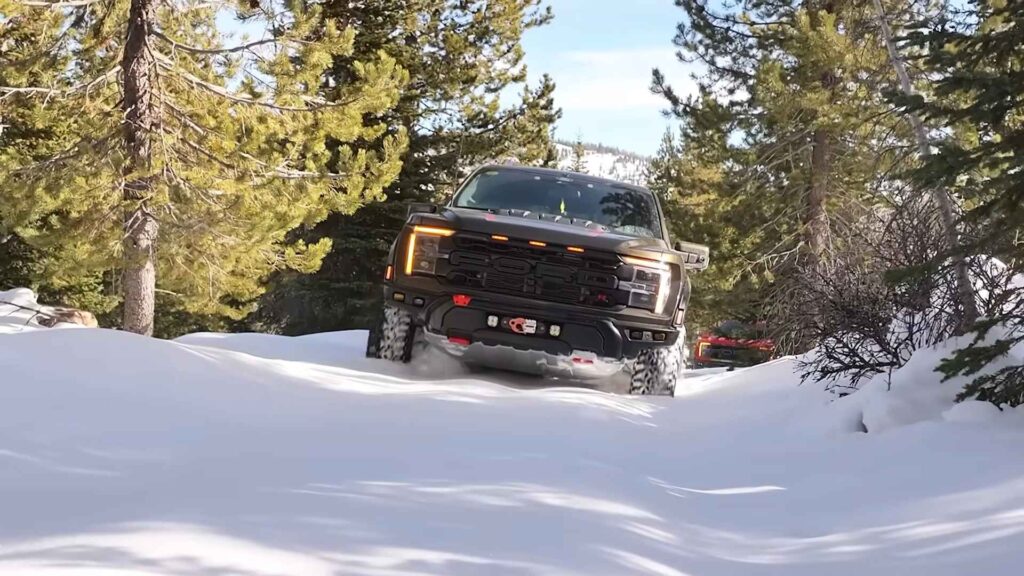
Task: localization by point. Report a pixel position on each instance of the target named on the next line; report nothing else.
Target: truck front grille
(547, 273)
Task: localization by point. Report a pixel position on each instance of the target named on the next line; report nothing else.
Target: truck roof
(557, 172)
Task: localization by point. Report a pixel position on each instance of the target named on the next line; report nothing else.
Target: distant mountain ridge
(606, 161)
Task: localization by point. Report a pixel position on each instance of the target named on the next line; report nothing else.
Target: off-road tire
(393, 337)
(657, 370)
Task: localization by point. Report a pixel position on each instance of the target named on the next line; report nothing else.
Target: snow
(266, 455)
(19, 312)
(918, 393)
(621, 166)
(15, 310)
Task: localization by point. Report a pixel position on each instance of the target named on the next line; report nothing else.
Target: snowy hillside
(262, 455)
(606, 162)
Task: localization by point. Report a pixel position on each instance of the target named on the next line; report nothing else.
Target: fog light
(492, 321)
(399, 297)
(659, 336)
(417, 301)
(555, 330)
(648, 337)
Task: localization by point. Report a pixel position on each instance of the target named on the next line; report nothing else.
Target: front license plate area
(521, 325)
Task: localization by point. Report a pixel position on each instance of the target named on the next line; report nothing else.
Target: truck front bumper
(579, 364)
(585, 337)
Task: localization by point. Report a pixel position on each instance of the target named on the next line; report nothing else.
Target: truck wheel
(656, 370)
(392, 339)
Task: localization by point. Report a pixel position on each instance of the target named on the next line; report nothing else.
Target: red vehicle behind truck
(732, 344)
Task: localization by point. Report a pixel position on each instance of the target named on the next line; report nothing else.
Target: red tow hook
(462, 300)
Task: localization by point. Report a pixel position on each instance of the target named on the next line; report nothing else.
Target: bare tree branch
(36, 311)
(194, 50)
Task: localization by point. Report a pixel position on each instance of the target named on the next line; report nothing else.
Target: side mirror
(695, 256)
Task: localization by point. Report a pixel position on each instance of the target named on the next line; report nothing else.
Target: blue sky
(600, 54)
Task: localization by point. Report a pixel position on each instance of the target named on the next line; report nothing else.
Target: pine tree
(461, 57)
(34, 130)
(940, 196)
(696, 179)
(551, 156)
(183, 161)
(978, 76)
(801, 85)
(579, 152)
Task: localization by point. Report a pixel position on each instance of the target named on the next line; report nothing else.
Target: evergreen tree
(944, 202)
(34, 129)
(18, 264)
(579, 152)
(979, 76)
(695, 178)
(461, 56)
(799, 86)
(551, 156)
(181, 162)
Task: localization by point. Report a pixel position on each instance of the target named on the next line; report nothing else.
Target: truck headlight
(422, 249)
(651, 284)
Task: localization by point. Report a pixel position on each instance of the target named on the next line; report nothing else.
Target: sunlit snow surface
(259, 455)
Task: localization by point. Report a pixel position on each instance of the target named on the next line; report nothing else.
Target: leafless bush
(885, 292)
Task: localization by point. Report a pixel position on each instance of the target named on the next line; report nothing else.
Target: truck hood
(550, 229)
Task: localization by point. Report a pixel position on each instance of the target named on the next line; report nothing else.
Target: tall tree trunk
(816, 227)
(816, 218)
(940, 195)
(138, 280)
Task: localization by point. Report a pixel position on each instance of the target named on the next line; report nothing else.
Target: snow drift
(264, 455)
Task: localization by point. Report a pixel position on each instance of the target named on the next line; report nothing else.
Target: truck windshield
(622, 209)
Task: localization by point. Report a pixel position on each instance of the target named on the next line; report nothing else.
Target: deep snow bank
(916, 392)
(263, 455)
(18, 311)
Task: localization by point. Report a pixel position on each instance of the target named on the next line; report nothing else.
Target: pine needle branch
(58, 4)
(77, 149)
(313, 104)
(6, 91)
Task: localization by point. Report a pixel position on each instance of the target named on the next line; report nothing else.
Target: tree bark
(940, 195)
(816, 218)
(816, 226)
(138, 280)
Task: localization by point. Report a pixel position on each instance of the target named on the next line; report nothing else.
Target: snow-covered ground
(263, 455)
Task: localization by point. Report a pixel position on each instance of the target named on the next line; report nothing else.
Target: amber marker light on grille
(389, 272)
(499, 238)
(575, 249)
(537, 243)
(645, 262)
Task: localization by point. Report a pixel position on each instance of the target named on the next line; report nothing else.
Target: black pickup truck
(542, 271)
